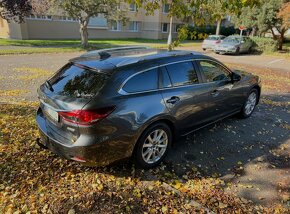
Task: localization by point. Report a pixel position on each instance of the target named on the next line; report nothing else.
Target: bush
(264, 44)
(198, 33)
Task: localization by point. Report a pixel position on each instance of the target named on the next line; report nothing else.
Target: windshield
(73, 81)
(213, 38)
(232, 40)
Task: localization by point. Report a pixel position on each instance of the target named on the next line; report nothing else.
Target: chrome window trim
(123, 92)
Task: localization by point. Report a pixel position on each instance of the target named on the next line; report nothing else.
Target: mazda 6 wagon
(113, 104)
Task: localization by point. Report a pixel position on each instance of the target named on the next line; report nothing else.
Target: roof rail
(162, 55)
(105, 53)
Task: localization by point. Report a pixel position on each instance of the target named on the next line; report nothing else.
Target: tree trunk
(218, 27)
(169, 40)
(254, 31)
(281, 40)
(273, 34)
(84, 31)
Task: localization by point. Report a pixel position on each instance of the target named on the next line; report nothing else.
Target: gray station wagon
(133, 102)
(235, 45)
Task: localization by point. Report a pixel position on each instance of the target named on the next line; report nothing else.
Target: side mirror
(236, 77)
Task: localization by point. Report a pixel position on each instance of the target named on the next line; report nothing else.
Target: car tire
(150, 154)
(250, 104)
(217, 52)
(204, 49)
(237, 51)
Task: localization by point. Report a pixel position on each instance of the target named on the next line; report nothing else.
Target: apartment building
(61, 27)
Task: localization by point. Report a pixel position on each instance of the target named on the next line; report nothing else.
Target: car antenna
(104, 55)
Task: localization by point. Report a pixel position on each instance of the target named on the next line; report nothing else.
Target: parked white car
(211, 41)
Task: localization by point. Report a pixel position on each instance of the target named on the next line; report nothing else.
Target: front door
(223, 94)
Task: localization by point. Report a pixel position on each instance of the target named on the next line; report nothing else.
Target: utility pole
(169, 40)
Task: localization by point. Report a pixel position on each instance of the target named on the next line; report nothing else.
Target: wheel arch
(165, 120)
(258, 88)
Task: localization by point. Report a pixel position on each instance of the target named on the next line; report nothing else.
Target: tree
(270, 16)
(248, 19)
(284, 16)
(200, 12)
(83, 10)
(41, 7)
(217, 12)
(14, 9)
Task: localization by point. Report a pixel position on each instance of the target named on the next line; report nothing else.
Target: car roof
(237, 36)
(107, 60)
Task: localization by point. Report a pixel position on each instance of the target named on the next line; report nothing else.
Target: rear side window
(144, 81)
(76, 82)
(213, 71)
(182, 73)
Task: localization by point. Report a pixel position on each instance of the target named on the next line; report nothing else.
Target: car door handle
(215, 93)
(173, 100)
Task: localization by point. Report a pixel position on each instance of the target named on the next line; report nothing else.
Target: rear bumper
(207, 46)
(92, 150)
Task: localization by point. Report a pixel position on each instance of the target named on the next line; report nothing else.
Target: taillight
(86, 117)
(217, 42)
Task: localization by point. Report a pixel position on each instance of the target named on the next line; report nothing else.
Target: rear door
(184, 97)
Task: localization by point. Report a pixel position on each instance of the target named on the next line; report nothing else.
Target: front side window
(182, 73)
(214, 72)
(144, 81)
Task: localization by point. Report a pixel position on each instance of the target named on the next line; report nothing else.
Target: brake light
(86, 117)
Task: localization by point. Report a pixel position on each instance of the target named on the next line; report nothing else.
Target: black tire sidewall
(139, 145)
(243, 114)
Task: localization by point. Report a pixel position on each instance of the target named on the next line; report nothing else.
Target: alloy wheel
(154, 146)
(251, 103)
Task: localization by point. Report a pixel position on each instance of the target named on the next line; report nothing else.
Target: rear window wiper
(48, 85)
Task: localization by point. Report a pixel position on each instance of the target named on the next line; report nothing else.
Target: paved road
(271, 62)
(15, 67)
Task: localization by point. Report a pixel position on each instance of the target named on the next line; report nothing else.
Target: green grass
(53, 46)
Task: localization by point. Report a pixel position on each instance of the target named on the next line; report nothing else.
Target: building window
(133, 26)
(133, 7)
(165, 8)
(177, 26)
(40, 17)
(98, 21)
(116, 26)
(164, 27)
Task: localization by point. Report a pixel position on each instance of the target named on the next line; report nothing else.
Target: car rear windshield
(74, 81)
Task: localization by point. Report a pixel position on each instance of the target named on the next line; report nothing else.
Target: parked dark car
(119, 103)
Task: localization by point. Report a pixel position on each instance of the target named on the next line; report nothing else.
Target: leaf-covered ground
(34, 180)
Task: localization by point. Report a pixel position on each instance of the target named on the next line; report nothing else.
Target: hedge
(264, 44)
(195, 33)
